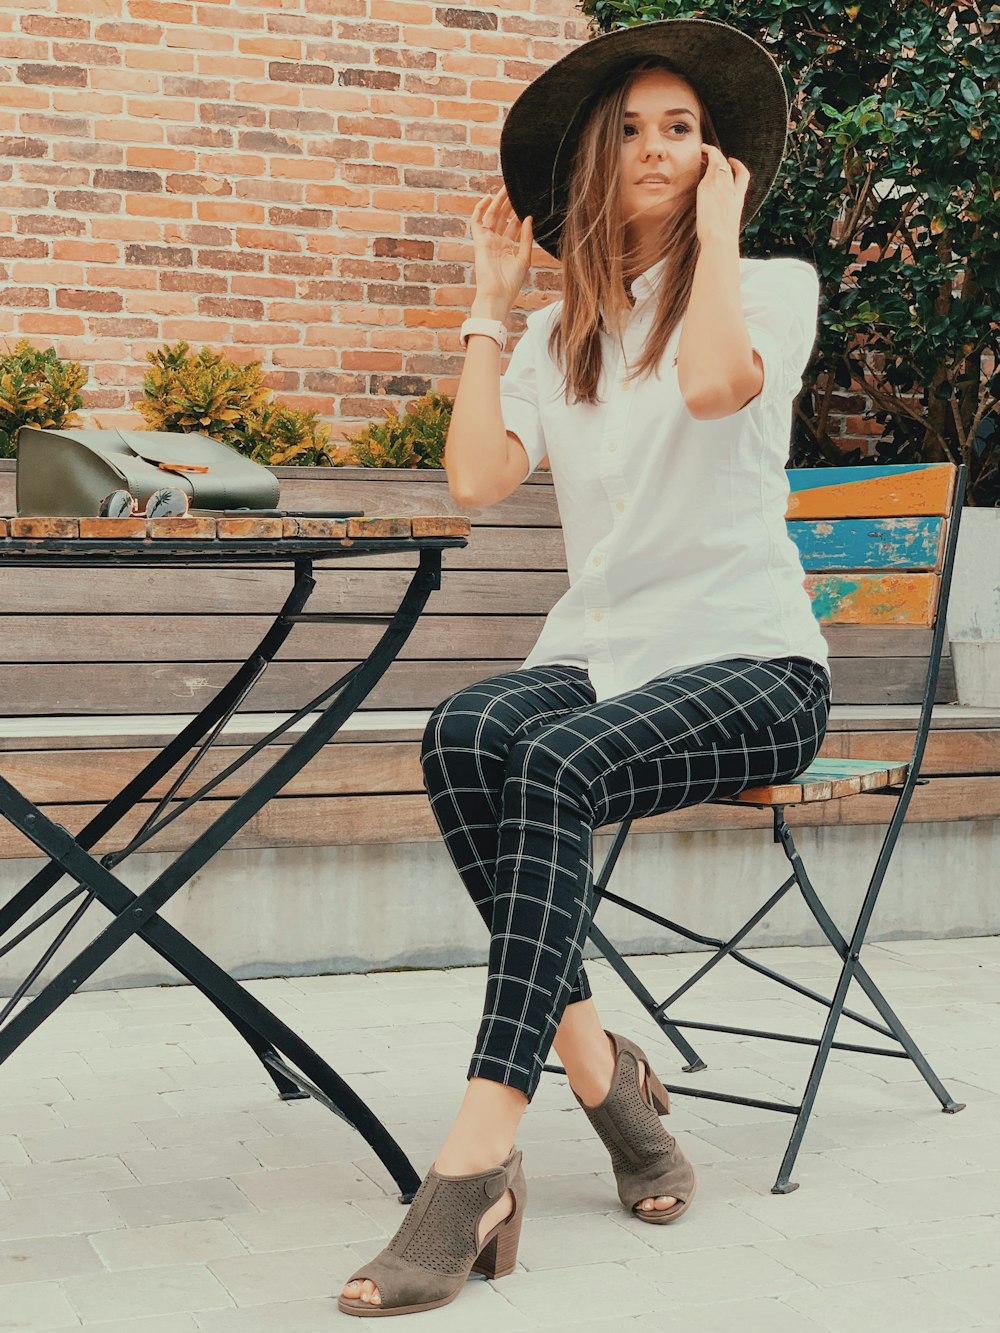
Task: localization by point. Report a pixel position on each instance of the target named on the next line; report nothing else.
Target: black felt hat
(737, 79)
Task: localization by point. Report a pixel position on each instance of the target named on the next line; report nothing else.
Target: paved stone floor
(150, 1182)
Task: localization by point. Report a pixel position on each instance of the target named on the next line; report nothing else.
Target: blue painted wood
(868, 543)
(811, 478)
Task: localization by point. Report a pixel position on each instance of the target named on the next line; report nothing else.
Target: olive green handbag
(69, 472)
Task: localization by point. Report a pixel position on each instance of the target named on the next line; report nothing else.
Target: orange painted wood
(828, 779)
(378, 527)
(314, 527)
(874, 599)
(256, 529)
(201, 529)
(921, 492)
(115, 529)
(40, 528)
(424, 526)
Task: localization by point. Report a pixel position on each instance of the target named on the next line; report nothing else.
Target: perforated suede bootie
(436, 1248)
(645, 1159)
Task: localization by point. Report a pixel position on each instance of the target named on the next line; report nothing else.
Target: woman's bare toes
(362, 1291)
(657, 1205)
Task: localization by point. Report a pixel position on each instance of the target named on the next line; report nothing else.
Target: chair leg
(851, 970)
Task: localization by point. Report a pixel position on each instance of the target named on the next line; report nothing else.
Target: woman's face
(661, 148)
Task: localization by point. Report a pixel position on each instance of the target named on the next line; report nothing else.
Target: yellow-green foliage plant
(208, 393)
(415, 439)
(37, 389)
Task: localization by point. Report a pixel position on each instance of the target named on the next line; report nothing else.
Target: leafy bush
(217, 397)
(890, 188)
(415, 439)
(37, 389)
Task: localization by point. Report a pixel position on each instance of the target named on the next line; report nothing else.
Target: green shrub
(205, 392)
(890, 188)
(415, 439)
(37, 389)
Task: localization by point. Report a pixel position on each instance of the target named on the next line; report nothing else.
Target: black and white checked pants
(522, 767)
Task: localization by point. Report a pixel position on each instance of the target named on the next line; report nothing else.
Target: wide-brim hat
(737, 79)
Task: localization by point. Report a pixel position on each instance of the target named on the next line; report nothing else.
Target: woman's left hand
(721, 192)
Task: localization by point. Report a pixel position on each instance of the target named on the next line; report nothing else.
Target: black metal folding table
(295, 1069)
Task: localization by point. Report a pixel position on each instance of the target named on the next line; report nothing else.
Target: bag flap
(157, 446)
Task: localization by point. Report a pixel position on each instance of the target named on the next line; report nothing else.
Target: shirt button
(613, 447)
(620, 506)
(597, 615)
(598, 561)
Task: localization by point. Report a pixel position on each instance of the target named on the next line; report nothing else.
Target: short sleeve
(781, 309)
(519, 390)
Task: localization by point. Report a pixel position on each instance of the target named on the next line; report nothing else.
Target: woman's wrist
(486, 307)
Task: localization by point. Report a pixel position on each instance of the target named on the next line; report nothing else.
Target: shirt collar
(645, 284)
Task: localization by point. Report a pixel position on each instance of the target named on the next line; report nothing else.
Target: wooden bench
(94, 682)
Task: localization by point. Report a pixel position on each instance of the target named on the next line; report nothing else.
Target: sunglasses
(167, 502)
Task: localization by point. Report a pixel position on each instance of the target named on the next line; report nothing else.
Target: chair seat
(826, 779)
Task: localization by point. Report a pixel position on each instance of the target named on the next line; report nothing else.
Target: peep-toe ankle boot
(436, 1247)
(645, 1159)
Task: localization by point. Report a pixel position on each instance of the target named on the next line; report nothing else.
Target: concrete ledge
(303, 911)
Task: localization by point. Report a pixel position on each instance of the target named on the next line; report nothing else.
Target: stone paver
(151, 1182)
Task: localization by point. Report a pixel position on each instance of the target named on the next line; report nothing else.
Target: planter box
(974, 609)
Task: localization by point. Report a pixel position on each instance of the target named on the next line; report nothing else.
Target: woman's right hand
(502, 255)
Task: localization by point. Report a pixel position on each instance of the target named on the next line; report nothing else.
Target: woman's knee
(540, 767)
(465, 722)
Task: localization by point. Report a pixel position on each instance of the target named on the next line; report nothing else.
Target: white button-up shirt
(676, 544)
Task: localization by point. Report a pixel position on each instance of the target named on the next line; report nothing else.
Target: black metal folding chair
(878, 545)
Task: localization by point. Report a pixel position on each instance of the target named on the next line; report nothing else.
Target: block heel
(498, 1257)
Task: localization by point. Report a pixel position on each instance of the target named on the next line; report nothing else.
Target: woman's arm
(717, 369)
(483, 460)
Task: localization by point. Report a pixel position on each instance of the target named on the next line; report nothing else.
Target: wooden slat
(348, 820)
(76, 689)
(867, 492)
(344, 587)
(967, 750)
(113, 529)
(371, 526)
(888, 543)
(244, 529)
(874, 599)
(42, 528)
(142, 638)
(314, 527)
(97, 638)
(188, 527)
(50, 777)
(889, 681)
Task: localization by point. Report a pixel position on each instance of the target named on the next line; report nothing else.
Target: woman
(684, 662)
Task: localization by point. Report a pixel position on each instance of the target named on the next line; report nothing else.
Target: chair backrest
(873, 540)
(878, 547)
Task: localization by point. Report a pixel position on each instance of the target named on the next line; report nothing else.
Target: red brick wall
(286, 179)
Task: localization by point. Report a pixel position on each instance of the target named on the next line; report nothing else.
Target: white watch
(491, 328)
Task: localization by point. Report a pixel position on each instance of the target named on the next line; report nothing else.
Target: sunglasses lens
(119, 504)
(168, 502)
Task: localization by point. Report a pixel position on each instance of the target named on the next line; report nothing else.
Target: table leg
(139, 912)
(215, 711)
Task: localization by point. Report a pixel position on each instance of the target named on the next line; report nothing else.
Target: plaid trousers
(522, 767)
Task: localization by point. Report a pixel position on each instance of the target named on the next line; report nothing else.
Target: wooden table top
(221, 540)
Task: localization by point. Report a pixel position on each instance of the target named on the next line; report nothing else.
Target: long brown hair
(593, 248)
